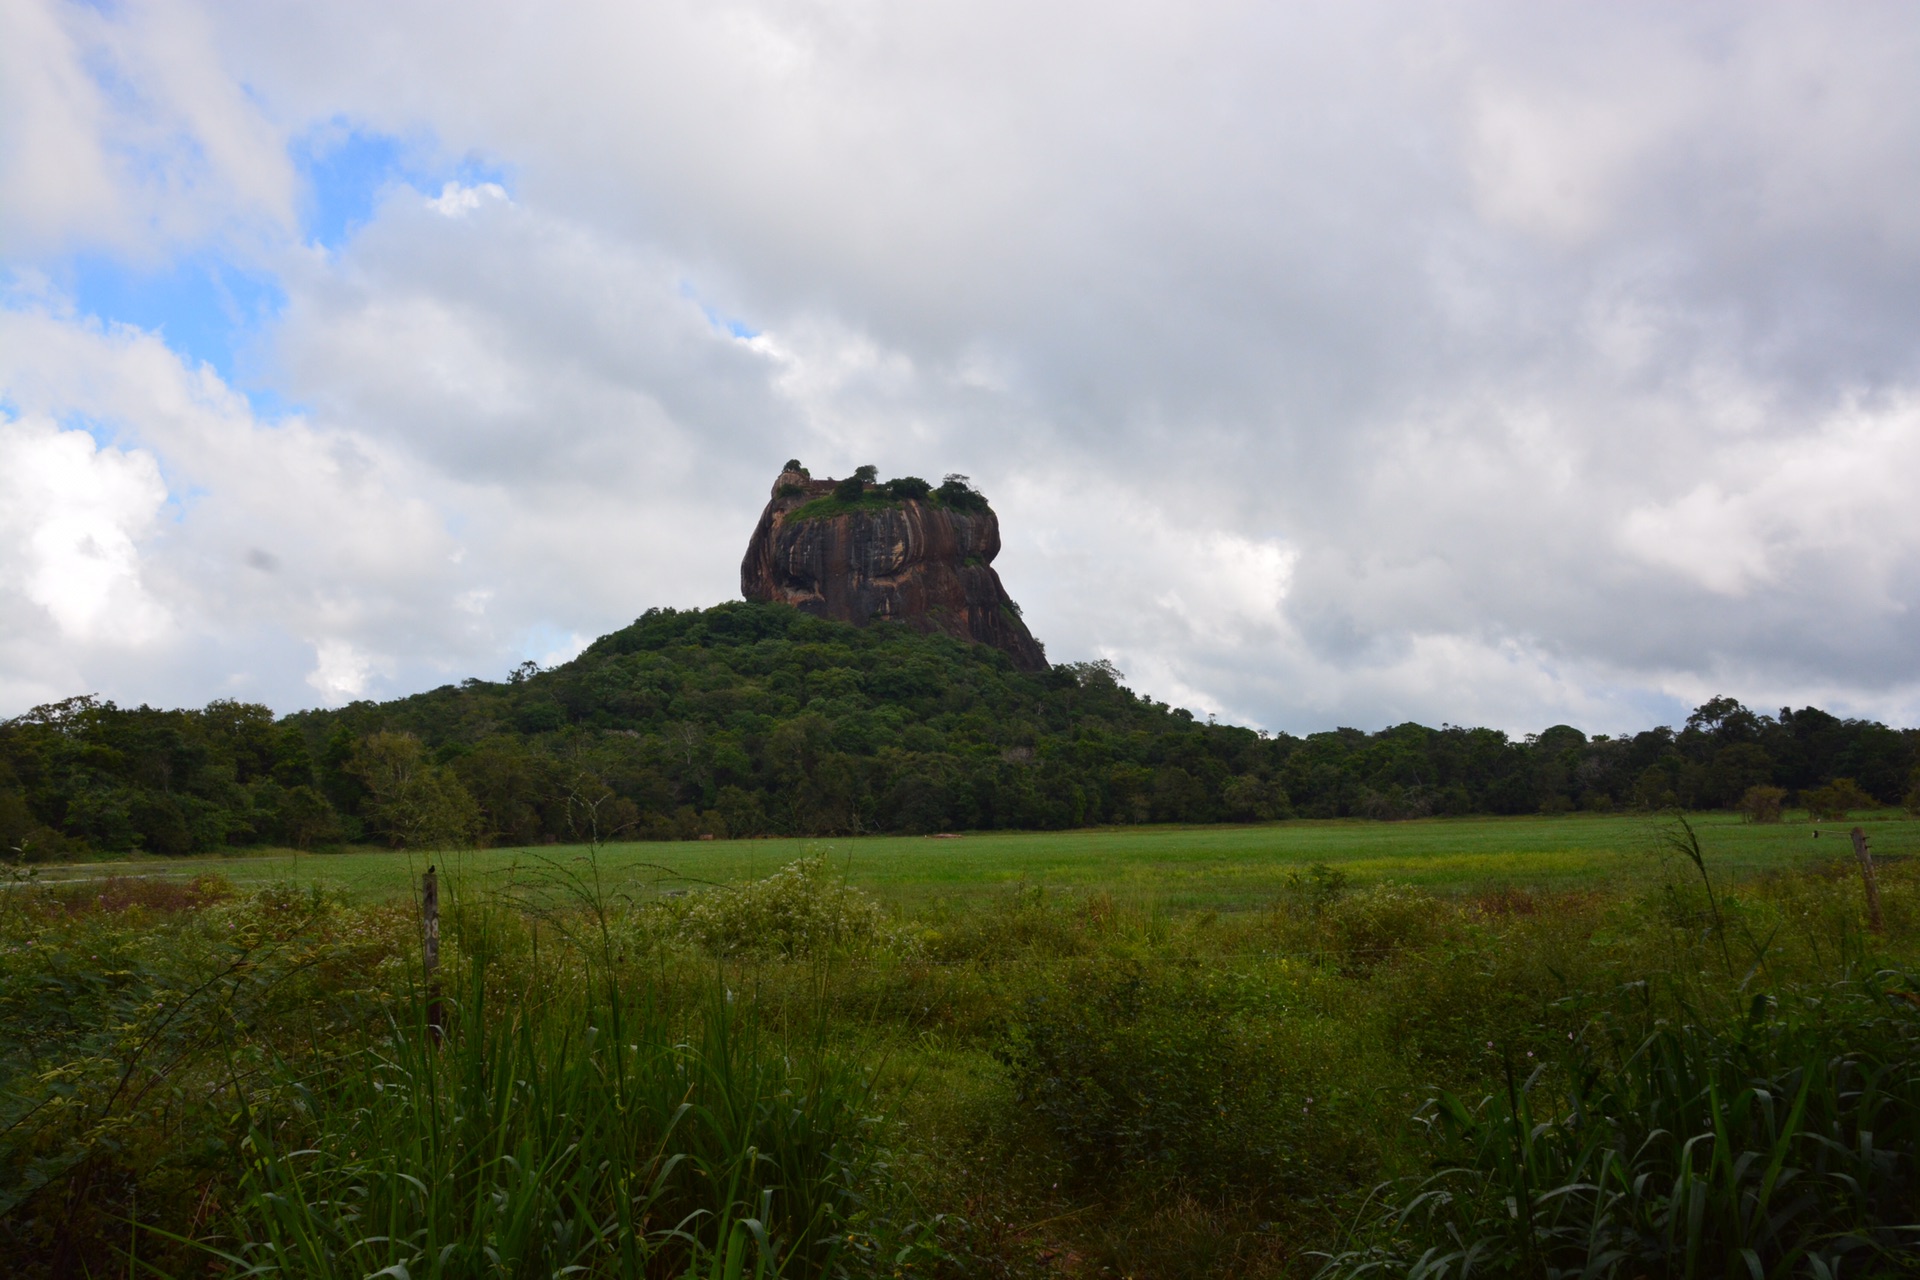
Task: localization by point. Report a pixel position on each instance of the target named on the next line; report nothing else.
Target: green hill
(750, 719)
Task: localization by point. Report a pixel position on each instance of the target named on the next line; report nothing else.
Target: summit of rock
(903, 551)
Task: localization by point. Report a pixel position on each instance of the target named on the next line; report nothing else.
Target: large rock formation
(924, 561)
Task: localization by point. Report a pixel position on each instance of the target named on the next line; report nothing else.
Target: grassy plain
(1223, 868)
(230, 1075)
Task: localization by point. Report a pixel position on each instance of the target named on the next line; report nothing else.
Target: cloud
(72, 514)
(1326, 363)
(1830, 513)
(124, 131)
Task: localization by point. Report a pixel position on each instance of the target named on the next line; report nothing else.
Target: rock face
(919, 561)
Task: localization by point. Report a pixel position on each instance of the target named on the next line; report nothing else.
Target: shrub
(1836, 800)
(1762, 804)
(1366, 928)
(800, 910)
(957, 491)
(1173, 1074)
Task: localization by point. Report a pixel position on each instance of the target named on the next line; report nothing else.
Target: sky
(1327, 364)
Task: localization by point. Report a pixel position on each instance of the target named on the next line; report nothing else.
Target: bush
(1762, 804)
(1369, 925)
(1172, 1074)
(800, 910)
(1836, 800)
(957, 491)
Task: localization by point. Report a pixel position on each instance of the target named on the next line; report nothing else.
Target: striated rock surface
(917, 560)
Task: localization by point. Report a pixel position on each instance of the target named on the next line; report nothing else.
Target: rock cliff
(902, 552)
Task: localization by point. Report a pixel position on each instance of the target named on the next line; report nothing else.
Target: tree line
(755, 719)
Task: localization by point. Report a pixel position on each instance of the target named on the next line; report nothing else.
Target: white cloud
(457, 200)
(1325, 362)
(1831, 512)
(340, 672)
(70, 513)
(123, 130)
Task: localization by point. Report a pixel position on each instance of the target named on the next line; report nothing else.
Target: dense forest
(747, 719)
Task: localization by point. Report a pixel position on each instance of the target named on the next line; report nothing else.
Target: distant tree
(908, 487)
(1762, 803)
(306, 819)
(1653, 789)
(1098, 673)
(1725, 719)
(1251, 799)
(868, 474)
(1735, 770)
(957, 491)
(793, 464)
(416, 803)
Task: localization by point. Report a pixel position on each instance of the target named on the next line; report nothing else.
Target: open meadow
(1604, 1045)
(1227, 868)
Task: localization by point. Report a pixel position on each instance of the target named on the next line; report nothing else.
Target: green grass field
(1224, 867)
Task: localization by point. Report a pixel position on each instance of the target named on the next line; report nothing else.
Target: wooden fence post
(430, 953)
(1860, 851)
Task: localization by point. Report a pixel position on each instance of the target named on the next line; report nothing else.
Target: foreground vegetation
(1674, 1072)
(752, 720)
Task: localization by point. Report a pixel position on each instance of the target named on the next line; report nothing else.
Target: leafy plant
(1781, 1141)
(1762, 803)
(801, 910)
(1836, 800)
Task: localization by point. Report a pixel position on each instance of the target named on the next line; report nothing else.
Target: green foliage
(1038, 1081)
(127, 1008)
(587, 1134)
(1762, 804)
(250, 1082)
(848, 496)
(1780, 1140)
(754, 719)
(1836, 800)
(801, 910)
(862, 492)
(1162, 1073)
(958, 493)
(415, 803)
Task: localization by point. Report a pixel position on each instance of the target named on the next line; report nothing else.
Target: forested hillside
(749, 719)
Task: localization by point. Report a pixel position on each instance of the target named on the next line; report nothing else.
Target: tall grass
(1778, 1142)
(590, 1127)
(671, 1085)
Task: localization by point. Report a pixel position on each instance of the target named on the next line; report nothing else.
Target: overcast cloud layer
(1328, 364)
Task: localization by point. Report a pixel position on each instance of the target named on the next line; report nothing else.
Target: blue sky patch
(212, 309)
(205, 307)
(348, 169)
(732, 326)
